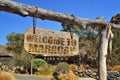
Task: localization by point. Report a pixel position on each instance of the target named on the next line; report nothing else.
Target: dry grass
(6, 76)
(72, 76)
(81, 67)
(116, 68)
(73, 67)
(61, 76)
(68, 76)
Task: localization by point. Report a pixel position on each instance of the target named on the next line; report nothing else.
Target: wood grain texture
(27, 10)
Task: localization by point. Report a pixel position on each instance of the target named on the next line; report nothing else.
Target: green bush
(41, 67)
(46, 70)
(62, 67)
(39, 63)
(7, 63)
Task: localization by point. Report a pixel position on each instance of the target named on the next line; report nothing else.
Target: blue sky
(80, 8)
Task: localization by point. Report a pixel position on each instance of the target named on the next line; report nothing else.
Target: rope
(71, 34)
(35, 19)
(72, 25)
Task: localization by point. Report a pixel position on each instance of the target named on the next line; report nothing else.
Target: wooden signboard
(50, 43)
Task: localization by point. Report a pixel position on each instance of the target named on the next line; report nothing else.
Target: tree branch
(27, 10)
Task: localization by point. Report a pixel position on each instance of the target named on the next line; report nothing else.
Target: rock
(115, 19)
(113, 75)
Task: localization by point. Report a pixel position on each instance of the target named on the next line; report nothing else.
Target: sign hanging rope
(35, 19)
(72, 25)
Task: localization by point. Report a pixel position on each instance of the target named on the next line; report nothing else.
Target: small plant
(62, 67)
(46, 70)
(42, 68)
(6, 76)
(39, 63)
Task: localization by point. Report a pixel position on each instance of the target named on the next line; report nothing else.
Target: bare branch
(27, 10)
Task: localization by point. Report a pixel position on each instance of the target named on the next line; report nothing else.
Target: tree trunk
(31, 65)
(102, 56)
(102, 52)
(110, 49)
(26, 10)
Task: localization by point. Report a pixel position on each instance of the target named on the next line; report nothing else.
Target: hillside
(4, 52)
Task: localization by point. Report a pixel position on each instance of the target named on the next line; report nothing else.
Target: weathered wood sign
(50, 43)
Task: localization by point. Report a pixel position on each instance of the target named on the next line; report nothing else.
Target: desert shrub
(116, 68)
(42, 68)
(63, 72)
(39, 64)
(62, 67)
(73, 67)
(22, 60)
(47, 70)
(69, 76)
(6, 76)
(7, 63)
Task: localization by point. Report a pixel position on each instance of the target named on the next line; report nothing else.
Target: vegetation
(73, 67)
(39, 63)
(62, 67)
(15, 45)
(88, 45)
(64, 72)
(47, 70)
(23, 60)
(15, 42)
(116, 48)
(116, 68)
(6, 76)
(69, 76)
(42, 68)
